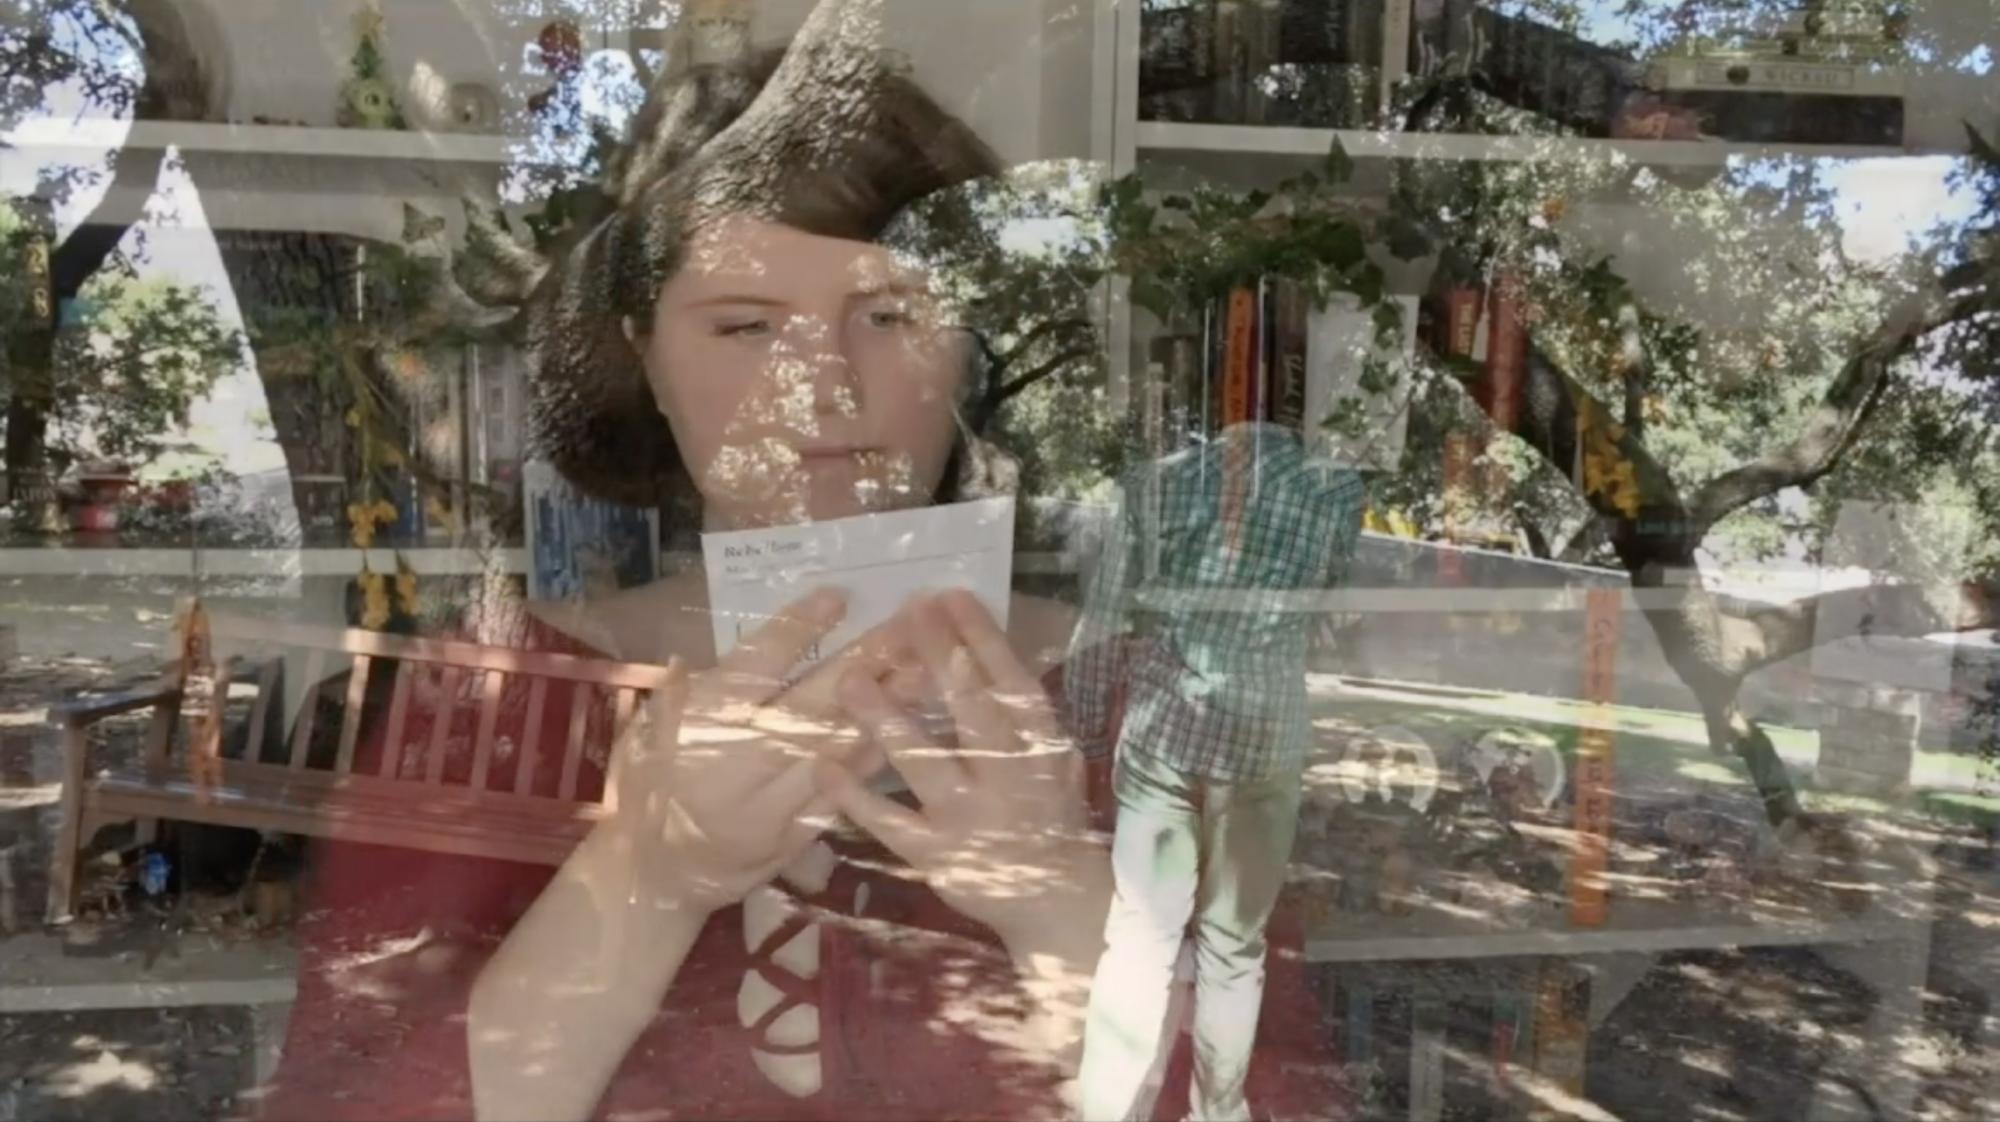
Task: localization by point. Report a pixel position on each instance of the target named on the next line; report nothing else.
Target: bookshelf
(182, 561)
(293, 178)
(1887, 945)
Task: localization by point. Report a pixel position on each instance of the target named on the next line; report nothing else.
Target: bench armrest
(86, 711)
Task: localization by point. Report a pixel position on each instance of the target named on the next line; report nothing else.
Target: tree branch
(1910, 610)
(990, 403)
(1039, 332)
(1836, 423)
(1648, 513)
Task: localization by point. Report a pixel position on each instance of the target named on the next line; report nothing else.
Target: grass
(1653, 748)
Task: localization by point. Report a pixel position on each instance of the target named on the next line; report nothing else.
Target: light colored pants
(1186, 849)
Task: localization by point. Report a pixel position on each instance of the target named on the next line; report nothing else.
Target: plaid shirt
(1200, 610)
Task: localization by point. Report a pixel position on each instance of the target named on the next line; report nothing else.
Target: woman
(739, 335)
(734, 329)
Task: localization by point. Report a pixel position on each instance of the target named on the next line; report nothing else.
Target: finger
(879, 652)
(1018, 690)
(910, 687)
(784, 803)
(934, 773)
(754, 670)
(907, 834)
(984, 728)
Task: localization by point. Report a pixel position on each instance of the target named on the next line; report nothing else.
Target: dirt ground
(1715, 1035)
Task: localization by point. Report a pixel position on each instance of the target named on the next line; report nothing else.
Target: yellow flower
(406, 587)
(374, 598)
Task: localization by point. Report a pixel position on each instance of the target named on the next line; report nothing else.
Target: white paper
(879, 559)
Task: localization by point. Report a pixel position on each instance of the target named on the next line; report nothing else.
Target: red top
(391, 939)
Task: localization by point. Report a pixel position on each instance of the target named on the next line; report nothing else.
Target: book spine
(1264, 383)
(1779, 118)
(1427, 1047)
(1231, 65)
(1394, 60)
(1239, 358)
(1506, 353)
(1588, 906)
(1288, 368)
(1238, 403)
(1464, 338)
(1562, 1028)
(1513, 1036)
(1177, 62)
(1751, 74)
(1179, 355)
(1261, 47)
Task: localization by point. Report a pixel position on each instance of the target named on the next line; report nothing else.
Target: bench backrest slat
(447, 708)
(582, 700)
(375, 644)
(531, 736)
(628, 703)
(493, 682)
(399, 720)
(431, 679)
(350, 714)
(260, 710)
(302, 735)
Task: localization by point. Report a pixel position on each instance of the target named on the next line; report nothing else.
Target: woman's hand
(718, 794)
(1002, 833)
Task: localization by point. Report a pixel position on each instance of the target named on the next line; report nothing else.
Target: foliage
(132, 357)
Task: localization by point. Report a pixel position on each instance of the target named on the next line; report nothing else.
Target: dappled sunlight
(101, 1072)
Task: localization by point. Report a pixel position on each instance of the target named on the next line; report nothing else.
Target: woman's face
(804, 377)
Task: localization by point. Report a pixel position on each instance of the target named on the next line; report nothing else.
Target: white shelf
(41, 978)
(1640, 928)
(1159, 138)
(91, 134)
(114, 562)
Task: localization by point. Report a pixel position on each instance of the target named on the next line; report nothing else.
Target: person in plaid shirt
(1194, 632)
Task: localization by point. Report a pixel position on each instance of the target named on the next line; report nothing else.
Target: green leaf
(1339, 165)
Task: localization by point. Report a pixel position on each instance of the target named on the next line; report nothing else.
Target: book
(1394, 59)
(1290, 315)
(1178, 355)
(1763, 118)
(1177, 60)
(1591, 847)
(1445, 39)
(1266, 349)
(1506, 351)
(1574, 82)
(1779, 74)
(579, 546)
(1259, 27)
(1427, 1051)
(1340, 343)
(1231, 66)
(1239, 399)
(878, 559)
(1239, 369)
(1562, 1024)
(1513, 1036)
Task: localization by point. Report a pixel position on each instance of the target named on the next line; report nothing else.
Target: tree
(125, 58)
(132, 360)
(1633, 425)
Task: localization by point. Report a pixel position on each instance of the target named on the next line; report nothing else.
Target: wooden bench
(505, 803)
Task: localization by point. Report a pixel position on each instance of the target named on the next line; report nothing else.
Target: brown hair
(835, 143)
